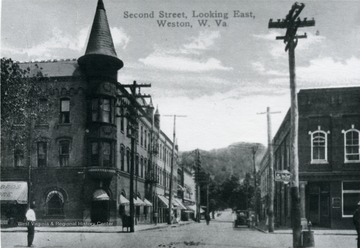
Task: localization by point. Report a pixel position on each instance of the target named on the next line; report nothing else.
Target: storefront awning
(163, 201)
(13, 192)
(138, 202)
(147, 203)
(123, 200)
(179, 203)
(100, 195)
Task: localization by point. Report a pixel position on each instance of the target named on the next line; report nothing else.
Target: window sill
(319, 162)
(352, 162)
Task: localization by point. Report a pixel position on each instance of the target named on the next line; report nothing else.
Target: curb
(96, 231)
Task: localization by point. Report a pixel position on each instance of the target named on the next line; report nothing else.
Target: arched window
(319, 147)
(55, 203)
(351, 145)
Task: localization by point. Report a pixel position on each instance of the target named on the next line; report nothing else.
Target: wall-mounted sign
(282, 176)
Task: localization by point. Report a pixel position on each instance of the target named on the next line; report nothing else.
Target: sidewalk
(317, 231)
(96, 228)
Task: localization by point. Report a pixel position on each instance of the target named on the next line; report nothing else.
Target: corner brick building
(77, 157)
(329, 158)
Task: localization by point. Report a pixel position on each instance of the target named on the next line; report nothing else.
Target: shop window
(64, 152)
(41, 154)
(55, 203)
(351, 145)
(350, 196)
(19, 157)
(319, 146)
(65, 111)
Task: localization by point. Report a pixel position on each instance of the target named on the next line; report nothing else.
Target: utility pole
(133, 116)
(292, 23)
(197, 183)
(270, 210)
(254, 150)
(172, 166)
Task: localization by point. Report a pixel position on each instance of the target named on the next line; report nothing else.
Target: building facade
(76, 163)
(329, 158)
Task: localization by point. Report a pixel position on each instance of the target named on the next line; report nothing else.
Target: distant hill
(236, 159)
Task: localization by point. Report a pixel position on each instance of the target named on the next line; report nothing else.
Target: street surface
(219, 233)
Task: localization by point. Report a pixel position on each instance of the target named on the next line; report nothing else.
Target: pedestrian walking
(30, 222)
(207, 218)
(356, 220)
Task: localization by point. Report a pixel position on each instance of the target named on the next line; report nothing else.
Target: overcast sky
(219, 76)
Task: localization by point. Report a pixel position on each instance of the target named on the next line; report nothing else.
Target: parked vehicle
(243, 218)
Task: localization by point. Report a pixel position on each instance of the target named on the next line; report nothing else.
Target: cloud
(190, 57)
(328, 71)
(180, 63)
(204, 41)
(120, 38)
(60, 44)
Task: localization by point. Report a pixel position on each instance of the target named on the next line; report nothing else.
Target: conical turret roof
(100, 40)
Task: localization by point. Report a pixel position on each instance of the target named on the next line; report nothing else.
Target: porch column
(302, 199)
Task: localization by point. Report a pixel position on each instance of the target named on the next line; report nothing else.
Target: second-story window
(106, 154)
(19, 157)
(319, 146)
(122, 158)
(352, 145)
(128, 160)
(95, 153)
(41, 154)
(64, 152)
(65, 110)
(101, 110)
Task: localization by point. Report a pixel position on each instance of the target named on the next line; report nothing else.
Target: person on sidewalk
(356, 221)
(30, 221)
(207, 218)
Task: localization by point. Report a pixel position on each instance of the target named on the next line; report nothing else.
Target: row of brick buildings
(77, 156)
(329, 159)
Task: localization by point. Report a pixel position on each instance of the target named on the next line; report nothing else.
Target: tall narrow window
(64, 152)
(42, 154)
(352, 145)
(65, 111)
(319, 146)
(122, 159)
(106, 147)
(137, 165)
(128, 160)
(94, 109)
(141, 135)
(19, 157)
(95, 154)
(141, 167)
(145, 139)
(105, 110)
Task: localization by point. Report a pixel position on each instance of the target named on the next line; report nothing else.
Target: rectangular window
(65, 111)
(64, 152)
(19, 158)
(94, 154)
(105, 110)
(141, 168)
(42, 154)
(128, 160)
(122, 159)
(351, 196)
(137, 165)
(141, 135)
(106, 148)
(95, 109)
